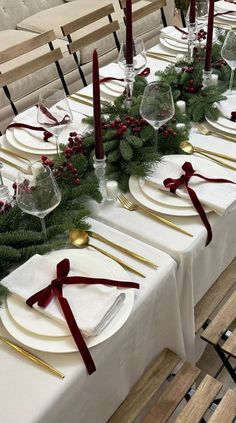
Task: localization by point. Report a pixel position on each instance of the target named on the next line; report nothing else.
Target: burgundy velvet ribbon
(174, 184)
(144, 73)
(46, 134)
(224, 13)
(46, 112)
(44, 297)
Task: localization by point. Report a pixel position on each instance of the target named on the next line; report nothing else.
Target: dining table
(163, 310)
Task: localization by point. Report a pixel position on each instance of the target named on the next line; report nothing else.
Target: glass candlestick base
(206, 78)
(192, 29)
(129, 82)
(100, 171)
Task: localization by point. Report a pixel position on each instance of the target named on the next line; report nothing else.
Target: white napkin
(227, 106)
(220, 197)
(172, 33)
(29, 117)
(224, 6)
(113, 70)
(93, 306)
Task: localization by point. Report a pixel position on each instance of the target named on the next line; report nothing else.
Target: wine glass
(228, 53)
(52, 118)
(157, 106)
(139, 56)
(37, 193)
(130, 70)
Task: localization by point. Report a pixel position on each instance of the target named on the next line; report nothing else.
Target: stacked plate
(175, 39)
(40, 332)
(147, 193)
(224, 123)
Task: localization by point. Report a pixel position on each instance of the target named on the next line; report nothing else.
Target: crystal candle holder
(206, 78)
(192, 29)
(100, 171)
(129, 82)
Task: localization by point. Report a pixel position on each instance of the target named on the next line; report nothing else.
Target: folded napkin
(93, 306)
(222, 6)
(218, 197)
(175, 34)
(29, 117)
(226, 107)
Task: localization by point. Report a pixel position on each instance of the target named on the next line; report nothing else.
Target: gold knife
(87, 97)
(16, 166)
(32, 357)
(12, 153)
(81, 101)
(121, 248)
(165, 58)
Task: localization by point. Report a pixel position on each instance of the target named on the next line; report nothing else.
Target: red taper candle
(192, 12)
(129, 33)
(97, 109)
(209, 36)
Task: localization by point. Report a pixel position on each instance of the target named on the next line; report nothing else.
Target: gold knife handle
(16, 166)
(12, 153)
(223, 156)
(32, 357)
(227, 137)
(121, 262)
(163, 220)
(80, 100)
(123, 249)
(220, 162)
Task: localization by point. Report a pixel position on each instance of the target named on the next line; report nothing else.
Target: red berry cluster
(47, 162)
(233, 116)
(219, 64)
(167, 132)
(201, 35)
(4, 207)
(188, 69)
(121, 127)
(74, 145)
(192, 88)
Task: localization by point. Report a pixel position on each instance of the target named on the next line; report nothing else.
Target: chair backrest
(149, 8)
(31, 66)
(95, 35)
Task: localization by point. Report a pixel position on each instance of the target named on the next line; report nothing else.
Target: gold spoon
(188, 148)
(80, 239)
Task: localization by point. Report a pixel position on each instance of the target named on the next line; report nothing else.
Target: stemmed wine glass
(37, 193)
(228, 53)
(52, 116)
(139, 63)
(157, 106)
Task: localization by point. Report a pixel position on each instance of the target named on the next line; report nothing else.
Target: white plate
(227, 18)
(14, 143)
(102, 267)
(33, 142)
(226, 123)
(162, 197)
(110, 93)
(167, 44)
(223, 129)
(204, 166)
(227, 106)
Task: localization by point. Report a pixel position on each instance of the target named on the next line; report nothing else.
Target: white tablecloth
(30, 394)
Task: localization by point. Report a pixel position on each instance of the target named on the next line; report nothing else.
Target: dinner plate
(110, 92)
(226, 106)
(226, 123)
(33, 335)
(33, 141)
(223, 129)
(14, 143)
(162, 197)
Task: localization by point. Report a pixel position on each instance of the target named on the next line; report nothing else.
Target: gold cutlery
(16, 166)
(161, 53)
(129, 205)
(73, 110)
(81, 101)
(164, 58)
(13, 154)
(188, 148)
(121, 248)
(32, 357)
(205, 131)
(80, 239)
(87, 97)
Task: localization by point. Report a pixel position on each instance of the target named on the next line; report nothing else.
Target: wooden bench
(216, 329)
(146, 404)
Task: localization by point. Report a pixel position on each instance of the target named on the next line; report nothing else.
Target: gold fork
(129, 205)
(205, 131)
